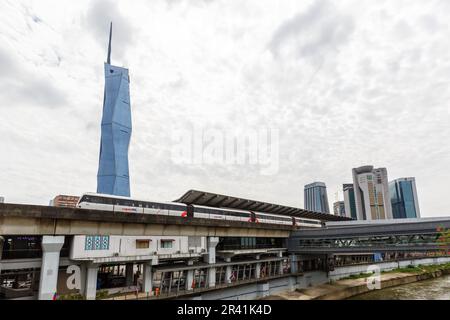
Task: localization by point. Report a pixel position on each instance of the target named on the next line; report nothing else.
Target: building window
(167, 244)
(96, 243)
(142, 244)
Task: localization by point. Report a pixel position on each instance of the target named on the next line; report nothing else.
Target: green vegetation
(358, 276)
(422, 269)
(101, 294)
(408, 269)
(71, 297)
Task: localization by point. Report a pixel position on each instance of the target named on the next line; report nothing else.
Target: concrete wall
(263, 289)
(343, 272)
(126, 247)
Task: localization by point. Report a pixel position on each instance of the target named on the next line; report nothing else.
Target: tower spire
(109, 45)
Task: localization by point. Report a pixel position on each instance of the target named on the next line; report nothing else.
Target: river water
(433, 289)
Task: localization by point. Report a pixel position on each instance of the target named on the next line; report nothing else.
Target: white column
(280, 267)
(211, 277)
(2, 241)
(258, 270)
(228, 274)
(51, 247)
(189, 279)
(147, 279)
(211, 245)
(90, 286)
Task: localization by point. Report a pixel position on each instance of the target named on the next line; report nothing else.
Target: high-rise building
(405, 203)
(349, 201)
(113, 173)
(2, 200)
(339, 208)
(64, 201)
(371, 190)
(316, 197)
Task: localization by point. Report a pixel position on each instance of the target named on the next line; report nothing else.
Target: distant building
(316, 197)
(349, 201)
(64, 201)
(404, 201)
(2, 200)
(113, 172)
(339, 208)
(372, 193)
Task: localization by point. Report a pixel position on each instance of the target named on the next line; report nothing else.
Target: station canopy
(208, 199)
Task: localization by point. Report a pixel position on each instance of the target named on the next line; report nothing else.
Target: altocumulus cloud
(346, 83)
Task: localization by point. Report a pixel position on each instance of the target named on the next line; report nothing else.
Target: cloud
(22, 87)
(97, 19)
(345, 83)
(316, 31)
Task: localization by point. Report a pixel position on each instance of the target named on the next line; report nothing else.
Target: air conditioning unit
(116, 254)
(191, 250)
(178, 251)
(203, 250)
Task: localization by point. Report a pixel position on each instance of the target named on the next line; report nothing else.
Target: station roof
(209, 199)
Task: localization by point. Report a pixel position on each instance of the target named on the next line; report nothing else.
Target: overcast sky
(346, 83)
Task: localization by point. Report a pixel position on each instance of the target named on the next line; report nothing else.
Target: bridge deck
(17, 219)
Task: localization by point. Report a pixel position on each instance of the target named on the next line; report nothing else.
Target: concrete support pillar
(228, 271)
(211, 277)
(129, 272)
(280, 267)
(294, 263)
(147, 279)
(258, 270)
(2, 241)
(51, 247)
(90, 287)
(189, 279)
(280, 254)
(211, 246)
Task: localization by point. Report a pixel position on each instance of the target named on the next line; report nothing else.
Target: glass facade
(403, 199)
(349, 201)
(113, 173)
(316, 197)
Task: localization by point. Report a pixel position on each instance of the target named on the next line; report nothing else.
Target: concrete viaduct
(17, 219)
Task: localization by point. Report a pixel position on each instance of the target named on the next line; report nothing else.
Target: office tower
(405, 203)
(349, 201)
(371, 193)
(2, 200)
(316, 197)
(65, 201)
(113, 173)
(339, 208)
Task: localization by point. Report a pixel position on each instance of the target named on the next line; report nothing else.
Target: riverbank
(358, 284)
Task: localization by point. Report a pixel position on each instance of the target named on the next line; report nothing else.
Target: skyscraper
(316, 197)
(371, 193)
(339, 208)
(113, 173)
(349, 201)
(405, 203)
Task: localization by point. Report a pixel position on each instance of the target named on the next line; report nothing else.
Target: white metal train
(95, 201)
